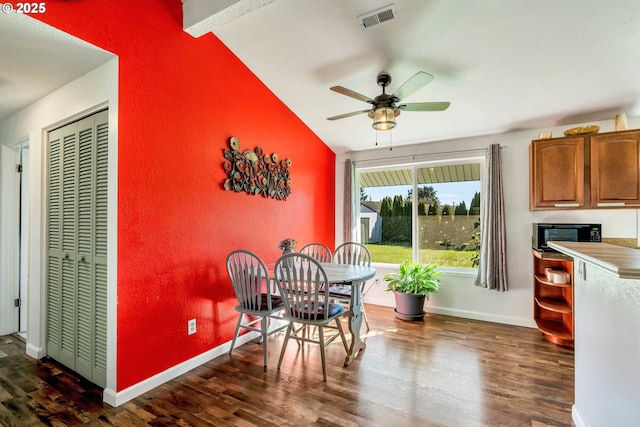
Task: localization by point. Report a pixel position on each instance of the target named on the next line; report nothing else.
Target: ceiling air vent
(378, 16)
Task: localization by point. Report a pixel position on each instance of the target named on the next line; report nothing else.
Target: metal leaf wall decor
(255, 172)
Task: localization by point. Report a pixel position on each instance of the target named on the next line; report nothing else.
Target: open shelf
(542, 279)
(556, 332)
(554, 304)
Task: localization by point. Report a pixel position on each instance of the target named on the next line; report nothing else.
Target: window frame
(467, 157)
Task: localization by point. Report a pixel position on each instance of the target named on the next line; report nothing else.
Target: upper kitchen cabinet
(556, 169)
(591, 171)
(615, 169)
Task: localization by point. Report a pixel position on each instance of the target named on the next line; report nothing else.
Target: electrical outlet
(191, 326)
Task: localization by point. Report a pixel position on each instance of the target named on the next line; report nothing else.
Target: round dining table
(351, 275)
(348, 275)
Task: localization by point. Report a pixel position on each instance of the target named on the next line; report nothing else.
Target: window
(429, 212)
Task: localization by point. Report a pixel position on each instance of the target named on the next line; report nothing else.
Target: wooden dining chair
(302, 282)
(258, 300)
(318, 251)
(355, 254)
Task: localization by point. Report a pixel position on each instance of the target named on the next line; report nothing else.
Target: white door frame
(10, 234)
(24, 236)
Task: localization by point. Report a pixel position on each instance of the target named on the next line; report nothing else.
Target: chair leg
(284, 344)
(235, 334)
(301, 328)
(322, 355)
(264, 323)
(364, 316)
(342, 336)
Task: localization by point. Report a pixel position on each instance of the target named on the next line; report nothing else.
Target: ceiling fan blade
(352, 94)
(425, 106)
(419, 80)
(342, 116)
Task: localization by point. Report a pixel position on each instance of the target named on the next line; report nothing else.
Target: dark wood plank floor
(445, 371)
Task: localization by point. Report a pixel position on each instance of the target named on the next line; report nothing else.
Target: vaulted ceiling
(503, 64)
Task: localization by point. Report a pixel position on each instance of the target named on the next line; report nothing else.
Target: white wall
(458, 295)
(93, 91)
(607, 371)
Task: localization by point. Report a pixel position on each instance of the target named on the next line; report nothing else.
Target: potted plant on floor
(411, 285)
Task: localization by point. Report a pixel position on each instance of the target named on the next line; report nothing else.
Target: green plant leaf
(414, 278)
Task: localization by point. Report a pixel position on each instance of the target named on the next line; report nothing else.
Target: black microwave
(542, 233)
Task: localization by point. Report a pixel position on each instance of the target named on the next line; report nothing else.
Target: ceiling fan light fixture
(384, 107)
(383, 118)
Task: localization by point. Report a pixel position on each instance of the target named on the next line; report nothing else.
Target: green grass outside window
(393, 254)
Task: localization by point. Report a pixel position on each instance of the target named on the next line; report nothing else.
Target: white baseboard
(466, 314)
(34, 351)
(113, 398)
(486, 317)
(577, 419)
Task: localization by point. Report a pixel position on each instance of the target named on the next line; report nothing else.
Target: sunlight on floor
(373, 333)
(448, 374)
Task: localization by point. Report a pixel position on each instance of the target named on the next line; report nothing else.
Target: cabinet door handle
(567, 205)
(611, 204)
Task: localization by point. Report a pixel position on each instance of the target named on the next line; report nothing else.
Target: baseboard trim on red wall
(113, 398)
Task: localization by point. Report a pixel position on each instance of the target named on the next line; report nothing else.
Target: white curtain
(492, 270)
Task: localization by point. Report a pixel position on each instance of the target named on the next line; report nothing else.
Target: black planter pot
(409, 306)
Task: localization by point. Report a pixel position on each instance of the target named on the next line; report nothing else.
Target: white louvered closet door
(77, 246)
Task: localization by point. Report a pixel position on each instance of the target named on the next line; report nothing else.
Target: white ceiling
(503, 64)
(36, 59)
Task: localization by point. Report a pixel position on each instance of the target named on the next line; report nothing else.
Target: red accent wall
(180, 99)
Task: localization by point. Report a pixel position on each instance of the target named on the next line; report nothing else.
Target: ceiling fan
(384, 108)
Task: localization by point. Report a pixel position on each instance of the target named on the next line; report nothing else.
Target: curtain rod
(413, 156)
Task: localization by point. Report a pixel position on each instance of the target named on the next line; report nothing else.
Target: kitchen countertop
(620, 261)
(627, 242)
